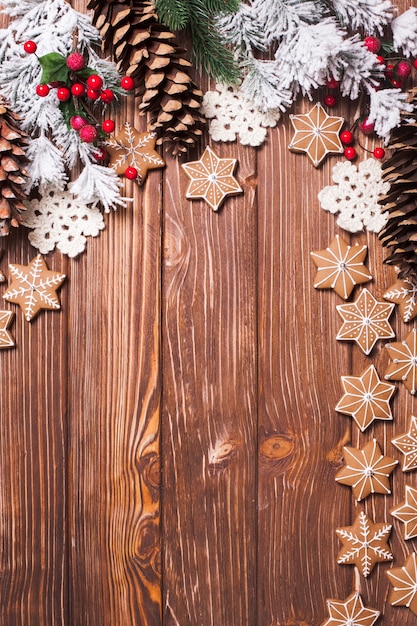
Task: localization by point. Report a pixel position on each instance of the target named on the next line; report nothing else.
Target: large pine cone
(146, 50)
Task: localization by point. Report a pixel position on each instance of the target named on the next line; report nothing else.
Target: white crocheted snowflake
(355, 196)
(234, 115)
(59, 220)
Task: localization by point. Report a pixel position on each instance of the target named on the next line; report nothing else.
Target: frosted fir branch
(303, 58)
(46, 166)
(385, 110)
(404, 32)
(281, 17)
(242, 29)
(262, 84)
(355, 66)
(369, 16)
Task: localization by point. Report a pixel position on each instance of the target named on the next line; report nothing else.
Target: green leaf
(54, 68)
(67, 109)
(85, 73)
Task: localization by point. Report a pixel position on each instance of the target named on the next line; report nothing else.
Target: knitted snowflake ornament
(57, 219)
(234, 115)
(355, 196)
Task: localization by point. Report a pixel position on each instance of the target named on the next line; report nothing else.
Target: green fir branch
(175, 14)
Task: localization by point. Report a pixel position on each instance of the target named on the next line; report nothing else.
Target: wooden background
(168, 440)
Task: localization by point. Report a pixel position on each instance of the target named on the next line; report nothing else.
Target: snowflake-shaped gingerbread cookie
(364, 544)
(135, 150)
(234, 115)
(403, 293)
(350, 612)
(355, 196)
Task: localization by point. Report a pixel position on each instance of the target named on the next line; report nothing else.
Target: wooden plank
(33, 459)
(209, 403)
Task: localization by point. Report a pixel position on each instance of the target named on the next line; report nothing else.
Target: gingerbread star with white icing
(365, 321)
(316, 133)
(340, 267)
(404, 294)
(211, 178)
(135, 150)
(34, 287)
(6, 339)
(407, 512)
(350, 612)
(407, 444)
(403, 364)
(367, 470)
(364, 544)
(404, 582)
(366, 398)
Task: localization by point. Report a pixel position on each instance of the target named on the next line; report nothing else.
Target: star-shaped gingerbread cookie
(366, 398)
(340, 267)
(364, 544)
(407, 444)
(6, 339)
(404, 582)
(350, 612)
(407, 512)
(34, 287)
(404, 294)
(132, 149)
(365, 321)
(403, 364)
(367, 470)
(211, 178)
(316, 133)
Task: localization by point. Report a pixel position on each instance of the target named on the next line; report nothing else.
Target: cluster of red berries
(395, 73)
(347, 138)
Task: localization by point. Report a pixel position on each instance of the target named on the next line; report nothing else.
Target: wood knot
(335, 455)
(276, 451)
(220, 455)
(250, 181)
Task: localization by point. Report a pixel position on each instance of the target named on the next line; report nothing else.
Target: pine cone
(12, 171)
(145, 49)
(400, 171)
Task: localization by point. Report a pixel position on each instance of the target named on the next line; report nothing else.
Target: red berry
(77, 122)
(42, 90)
(63, 94)
(389, 71)
(415, 63)
(350, 153)
(100, 154)
(108, 126)
(75, 61)
(397, 84)
(77, 90)
(332, 83)
(127, 83)
(88, 133)
(346, 137)
(131, 173)
(330, 100)
(30, 47)
(372, 43)
(107, 95)
(366, 127)
(94, 82)
(403, 69)
(379, 153)
(380, 60)
(93, 94)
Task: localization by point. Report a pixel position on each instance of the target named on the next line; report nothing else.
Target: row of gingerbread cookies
(366, 398)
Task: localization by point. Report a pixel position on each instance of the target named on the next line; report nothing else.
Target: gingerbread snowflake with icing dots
(407, 512)
(407, 444)
(364, 544)
(367, 470)
(365, 321)
(211, 179)
(340, 267)
(316, 134)
(403, 364)
(404, 582)
(350, 612)
(366, 398)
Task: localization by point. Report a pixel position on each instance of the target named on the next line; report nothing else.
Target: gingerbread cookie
(364, 544)
(340, 267)
(350, 612)
(211, 178)
(404, 582)
(404, 361)
(365, 321)
(367, 470)
(317, 134)
(404, 294)
(407, 444)
(366, 398)
(407, 512)
(34, 287)
(6, 339)
(132, 149)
